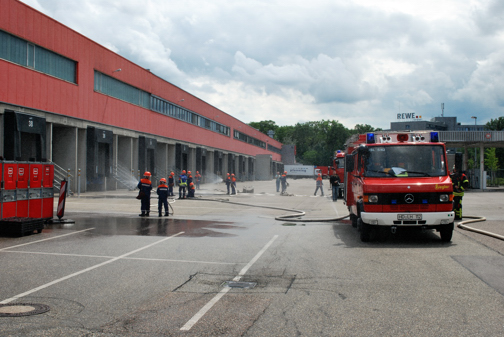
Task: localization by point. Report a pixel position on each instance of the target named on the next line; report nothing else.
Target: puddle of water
(152, 226)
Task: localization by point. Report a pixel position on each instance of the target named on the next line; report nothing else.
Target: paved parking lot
(222, 265)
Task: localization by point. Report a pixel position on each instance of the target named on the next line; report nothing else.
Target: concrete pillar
(65, 140)
(171, 157)
(466, 158)
(482, 167)
(81, 159)
(191, 160)
(162, 160)
(49, 133)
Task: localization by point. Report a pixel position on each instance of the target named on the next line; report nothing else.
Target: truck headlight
(373, 198)
(444, 197)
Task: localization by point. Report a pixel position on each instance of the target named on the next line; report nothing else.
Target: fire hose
(297, 214)
(477, 219)
(288, 217)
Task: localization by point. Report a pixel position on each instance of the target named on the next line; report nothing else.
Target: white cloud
(357, 61)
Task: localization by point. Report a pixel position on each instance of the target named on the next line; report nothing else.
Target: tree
(362, 128)
(265, 126)
(492, 164)
(496, 124)
(315, 141)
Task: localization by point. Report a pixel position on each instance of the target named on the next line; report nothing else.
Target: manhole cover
(246, 285)
(22, 309)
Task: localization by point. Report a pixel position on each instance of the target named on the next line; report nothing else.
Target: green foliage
(496, 124)
(491, 160)
(315, 141)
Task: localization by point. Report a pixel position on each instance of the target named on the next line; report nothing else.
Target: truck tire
(353, 218)
(446, 233)
(365, 230)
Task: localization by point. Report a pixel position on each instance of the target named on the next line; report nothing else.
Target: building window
(250, 140)
(26, 54)
(112, 87)
(162, 106)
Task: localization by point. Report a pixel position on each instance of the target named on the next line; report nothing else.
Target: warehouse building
(105, 120)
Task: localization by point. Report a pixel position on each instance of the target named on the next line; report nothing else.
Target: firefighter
(228, 182)
(335, 182)
(198, 180)
(189, 178)
(145, 187)
(162, 192)
(283, 181)
(278, 179)
(233, 184)
(460, 183)
(319, 184)
(182, 182)
(191, 190)
(171, 183)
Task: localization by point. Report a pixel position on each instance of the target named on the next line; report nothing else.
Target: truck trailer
(300, 171)
(398, 179)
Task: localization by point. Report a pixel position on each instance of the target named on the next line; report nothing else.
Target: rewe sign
(408, 115)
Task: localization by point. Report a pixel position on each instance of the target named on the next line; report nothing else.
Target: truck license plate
(409, 216)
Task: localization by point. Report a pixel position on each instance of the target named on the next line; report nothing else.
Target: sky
(290, 61)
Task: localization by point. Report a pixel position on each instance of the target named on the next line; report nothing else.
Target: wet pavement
(152, 226)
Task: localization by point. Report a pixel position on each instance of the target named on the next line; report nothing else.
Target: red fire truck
(398, 179)
(338, 167)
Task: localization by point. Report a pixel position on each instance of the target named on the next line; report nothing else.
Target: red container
(48, 191)
(9, 183)
(23, 178)
(35, 191)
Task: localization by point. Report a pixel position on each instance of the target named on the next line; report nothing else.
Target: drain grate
(22, 309)
(244, 285)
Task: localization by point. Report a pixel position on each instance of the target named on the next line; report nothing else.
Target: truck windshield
(405, 161)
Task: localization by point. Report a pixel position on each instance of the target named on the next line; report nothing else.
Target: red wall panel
(26, 87)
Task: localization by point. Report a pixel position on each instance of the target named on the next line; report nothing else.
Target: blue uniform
(182, 186)
(171, 183)
(228, 183)
(162, 192)
(145, 186)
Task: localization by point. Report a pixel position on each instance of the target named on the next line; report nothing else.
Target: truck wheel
(365, 230)
(353, 218)
(446, 233)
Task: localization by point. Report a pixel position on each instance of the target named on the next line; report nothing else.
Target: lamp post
(475, 119)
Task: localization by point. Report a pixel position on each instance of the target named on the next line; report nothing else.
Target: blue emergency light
(370, 138)
(434, 137)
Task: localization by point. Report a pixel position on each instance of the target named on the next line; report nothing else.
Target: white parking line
(125, 258)
(52, 238)
(223, 292)
(85, 270)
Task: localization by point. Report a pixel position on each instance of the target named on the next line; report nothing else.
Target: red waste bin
(35, 191)
(48, 191)
(23, 178)
(9, 179)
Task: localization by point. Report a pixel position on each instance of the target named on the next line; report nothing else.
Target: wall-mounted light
(117, 70)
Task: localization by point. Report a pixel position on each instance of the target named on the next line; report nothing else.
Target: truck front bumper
(408, 219)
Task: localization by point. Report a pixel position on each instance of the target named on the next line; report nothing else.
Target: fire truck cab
(398, 179)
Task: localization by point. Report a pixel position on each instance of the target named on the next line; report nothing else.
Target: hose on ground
(480, 231)
(288, 217)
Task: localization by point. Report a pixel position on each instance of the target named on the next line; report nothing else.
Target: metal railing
(471, 136)
(59, 175)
